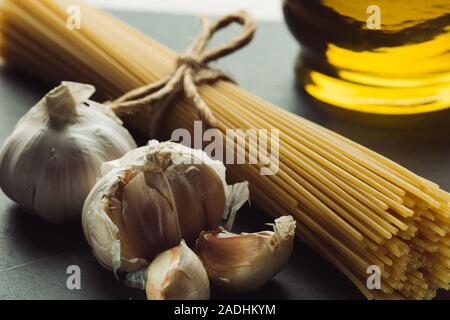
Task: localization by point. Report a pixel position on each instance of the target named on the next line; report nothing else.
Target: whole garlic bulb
(153, 197)
(244, 262)
(53, 157)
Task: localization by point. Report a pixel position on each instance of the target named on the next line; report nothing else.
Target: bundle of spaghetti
(353, 206)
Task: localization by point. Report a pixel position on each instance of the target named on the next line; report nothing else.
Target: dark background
(34, 255)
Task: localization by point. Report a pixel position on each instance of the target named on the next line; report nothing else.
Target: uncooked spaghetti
(355, 207)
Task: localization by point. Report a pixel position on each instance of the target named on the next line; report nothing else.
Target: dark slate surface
(34, 255)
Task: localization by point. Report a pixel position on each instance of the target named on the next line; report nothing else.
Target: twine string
(191, 71)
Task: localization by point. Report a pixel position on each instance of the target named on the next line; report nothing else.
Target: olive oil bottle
(375, 56)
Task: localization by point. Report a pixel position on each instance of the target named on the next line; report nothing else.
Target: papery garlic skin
(52, 158)
(245, 262)
(177, 274)
(145, 203)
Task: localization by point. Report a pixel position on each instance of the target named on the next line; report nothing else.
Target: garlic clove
(177, 274)
(52, 158)
(200, 198)
(158, 229)
(146, 202)
(245, 262)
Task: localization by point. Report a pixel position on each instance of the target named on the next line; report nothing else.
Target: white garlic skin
(52, 158)
(128, 220)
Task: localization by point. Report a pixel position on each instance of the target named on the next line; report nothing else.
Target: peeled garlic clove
(150, 199)
(177, 274)
(53, 157)
(245, 262)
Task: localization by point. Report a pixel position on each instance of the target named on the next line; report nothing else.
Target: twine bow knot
(191, 70)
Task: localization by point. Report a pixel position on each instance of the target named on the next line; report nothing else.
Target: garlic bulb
(245, 262)
(51, 160)
(153, 197)
(175, 274)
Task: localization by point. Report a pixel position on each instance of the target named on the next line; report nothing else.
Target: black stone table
(34, 255)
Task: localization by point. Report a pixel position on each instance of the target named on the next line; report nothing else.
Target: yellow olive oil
(383, 56)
